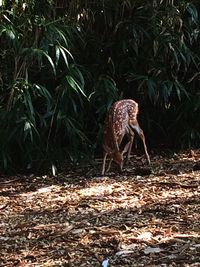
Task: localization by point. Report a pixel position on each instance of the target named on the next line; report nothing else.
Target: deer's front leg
(109, 164)
(104, 163)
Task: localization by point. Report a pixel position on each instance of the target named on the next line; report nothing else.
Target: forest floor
(142, 217)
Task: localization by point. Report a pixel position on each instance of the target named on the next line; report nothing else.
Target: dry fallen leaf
(149, 219)
(150, 250)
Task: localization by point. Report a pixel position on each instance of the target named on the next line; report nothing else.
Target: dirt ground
(146, 216)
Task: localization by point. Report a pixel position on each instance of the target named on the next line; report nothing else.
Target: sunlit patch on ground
(131, 220)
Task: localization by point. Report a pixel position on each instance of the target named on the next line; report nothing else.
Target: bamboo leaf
(75, 85)
(36, 51)
(193, 12)
(64, 56)
(57, 54)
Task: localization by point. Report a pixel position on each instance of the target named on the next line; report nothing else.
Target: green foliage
(64, 63)
(42, 87)
(186, 118)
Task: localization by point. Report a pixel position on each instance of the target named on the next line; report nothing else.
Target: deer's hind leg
(140, 132)
(128, 147)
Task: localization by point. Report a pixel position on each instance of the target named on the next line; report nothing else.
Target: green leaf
(75, 85)
(37, 51)
(192, 10)
(64, 56)
(151, 84)
(57, 54)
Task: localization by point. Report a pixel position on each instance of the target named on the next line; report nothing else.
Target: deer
(121, 120)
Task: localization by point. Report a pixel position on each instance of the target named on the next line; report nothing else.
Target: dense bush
(63, 63)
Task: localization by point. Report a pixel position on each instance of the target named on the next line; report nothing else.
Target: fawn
(121, 120)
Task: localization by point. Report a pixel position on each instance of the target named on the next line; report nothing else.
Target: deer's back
(124, 111)
(117, 120)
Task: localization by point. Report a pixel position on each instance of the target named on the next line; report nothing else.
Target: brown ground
(137, 218)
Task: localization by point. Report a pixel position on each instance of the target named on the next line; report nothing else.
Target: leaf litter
(77, 218)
